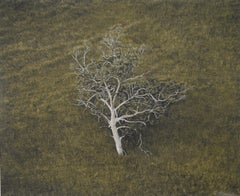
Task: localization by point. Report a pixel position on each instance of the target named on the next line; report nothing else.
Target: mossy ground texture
(49, 146)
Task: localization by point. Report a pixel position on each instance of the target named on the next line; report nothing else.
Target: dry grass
(50, 146)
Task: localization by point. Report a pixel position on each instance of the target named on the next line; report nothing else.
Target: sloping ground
(52, 147)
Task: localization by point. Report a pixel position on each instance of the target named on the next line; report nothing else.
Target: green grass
(51, 147)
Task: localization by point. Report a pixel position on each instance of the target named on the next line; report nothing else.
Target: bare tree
(110, 89)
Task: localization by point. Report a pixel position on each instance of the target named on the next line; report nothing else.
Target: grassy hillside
(51, 147)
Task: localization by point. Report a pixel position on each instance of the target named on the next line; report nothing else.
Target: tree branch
(134, 121)
(107, 104)
(140, 145)
(136, 77)
(123, 127)
(123, 117)
(117, 90)
(109, 96)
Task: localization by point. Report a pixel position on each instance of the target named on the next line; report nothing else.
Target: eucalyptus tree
(110, 88)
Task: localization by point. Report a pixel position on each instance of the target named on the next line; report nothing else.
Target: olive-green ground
(49, 146)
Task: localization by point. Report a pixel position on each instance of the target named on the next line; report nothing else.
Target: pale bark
(117, 140)
(115, 134)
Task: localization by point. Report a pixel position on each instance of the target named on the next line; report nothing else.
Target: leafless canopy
(110, 89)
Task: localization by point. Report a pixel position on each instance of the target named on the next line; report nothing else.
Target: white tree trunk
(117, 138)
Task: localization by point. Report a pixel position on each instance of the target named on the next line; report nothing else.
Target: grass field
(49, 146)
